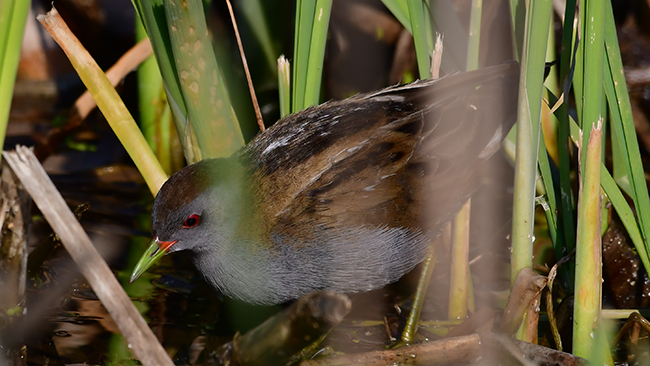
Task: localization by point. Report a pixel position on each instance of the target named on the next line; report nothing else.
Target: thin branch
(256, 105)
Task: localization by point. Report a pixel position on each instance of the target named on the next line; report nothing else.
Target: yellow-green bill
(150, 256)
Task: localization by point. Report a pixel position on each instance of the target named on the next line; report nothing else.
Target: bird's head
(192, 211)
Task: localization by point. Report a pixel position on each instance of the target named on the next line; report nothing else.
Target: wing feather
(405, 157)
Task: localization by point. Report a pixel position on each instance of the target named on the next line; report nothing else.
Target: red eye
(191, 221)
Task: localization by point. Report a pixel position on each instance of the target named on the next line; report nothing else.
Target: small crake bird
(345, 196)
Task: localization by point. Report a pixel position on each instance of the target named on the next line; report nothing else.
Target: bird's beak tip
(149, 257)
